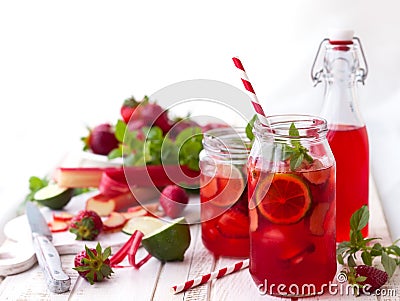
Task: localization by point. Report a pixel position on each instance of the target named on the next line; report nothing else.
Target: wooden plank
(124, 283)
(236, 286)
(203, 262)
(377, 224)
(197, 260)
(31, 285)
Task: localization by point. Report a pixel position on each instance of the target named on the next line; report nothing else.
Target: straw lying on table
(211, 276)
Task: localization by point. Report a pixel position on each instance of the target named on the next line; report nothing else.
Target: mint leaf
(396, 249)
(115, 153)
(351, 262)
(294, 132)
(35, 184)
(120, 129)
(296, 153)
(189, 144)
(359, 219)
(295, 160)
(389, 264)
(249, 128)
(366, 258)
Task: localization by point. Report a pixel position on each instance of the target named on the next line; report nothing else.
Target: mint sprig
(295, 152)
(249, 128)
(151, 147)
(367, 248)
(35, 184)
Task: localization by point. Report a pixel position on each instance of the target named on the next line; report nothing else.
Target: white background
(68, 64)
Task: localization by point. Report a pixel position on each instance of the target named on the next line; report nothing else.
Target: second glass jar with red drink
(223, 192)
(291, 180)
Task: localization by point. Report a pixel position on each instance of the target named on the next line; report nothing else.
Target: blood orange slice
(286, 201)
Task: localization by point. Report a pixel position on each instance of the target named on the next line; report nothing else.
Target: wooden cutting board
(18, 255)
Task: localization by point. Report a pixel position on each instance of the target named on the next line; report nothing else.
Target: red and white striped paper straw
(211, 276)
(249, 88)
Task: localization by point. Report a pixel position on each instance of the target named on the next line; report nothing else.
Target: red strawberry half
(375, 277)
(86, 225)
(93, 264)
(173, 200)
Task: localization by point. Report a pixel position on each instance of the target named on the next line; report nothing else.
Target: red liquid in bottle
(349, 145)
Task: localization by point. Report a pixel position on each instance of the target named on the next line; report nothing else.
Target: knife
(47, 255)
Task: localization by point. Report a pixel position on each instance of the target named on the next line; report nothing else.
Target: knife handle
(50, 262)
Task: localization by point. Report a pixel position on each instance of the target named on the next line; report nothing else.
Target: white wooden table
(155, 279)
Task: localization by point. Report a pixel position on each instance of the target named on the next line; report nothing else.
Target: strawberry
(173, 200)
(375, 278)
(154, 115)
(180, 125)
(128, 107)
(93, 264)
(86, 225)
(233, 223)
(101, 139)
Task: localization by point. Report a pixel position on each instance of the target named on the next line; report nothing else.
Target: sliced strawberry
(62, 216)
(58, 226)
(139, 212)
(114, 223)
(234, 223)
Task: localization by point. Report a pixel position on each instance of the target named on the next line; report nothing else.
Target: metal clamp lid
(361, 73)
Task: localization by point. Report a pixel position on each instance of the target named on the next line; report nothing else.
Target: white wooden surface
(155, 279)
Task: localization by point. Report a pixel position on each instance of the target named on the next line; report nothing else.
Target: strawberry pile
(144, 131)
(136, 115)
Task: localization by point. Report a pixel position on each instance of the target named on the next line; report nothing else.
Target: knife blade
(47, 255)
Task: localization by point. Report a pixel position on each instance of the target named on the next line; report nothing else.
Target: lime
(286, 201)
(145, 224)
(169, 242)
(53, 196)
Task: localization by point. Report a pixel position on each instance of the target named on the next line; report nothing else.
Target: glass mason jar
(223, 192)
(292, 206)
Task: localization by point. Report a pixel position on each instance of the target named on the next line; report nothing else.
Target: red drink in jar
(223, 193)
(292, 208)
